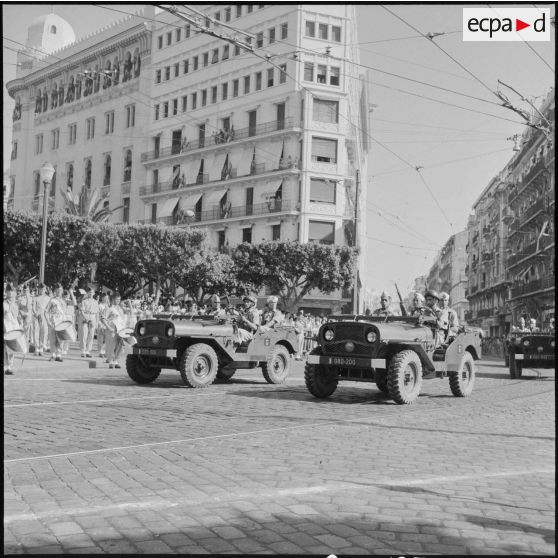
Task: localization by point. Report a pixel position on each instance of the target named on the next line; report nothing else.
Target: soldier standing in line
(55, 313)
(453, 321)
(89, 309)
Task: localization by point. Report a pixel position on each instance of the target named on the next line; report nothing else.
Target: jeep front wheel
(404, 377)
(198, 365)
(140, 372)
(461, 384)
(276, 368)
(319, 380)
(381, 382)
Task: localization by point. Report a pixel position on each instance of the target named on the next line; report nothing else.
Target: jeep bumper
(350, 362)
(170, 353)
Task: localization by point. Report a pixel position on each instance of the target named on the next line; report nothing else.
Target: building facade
(269, 144)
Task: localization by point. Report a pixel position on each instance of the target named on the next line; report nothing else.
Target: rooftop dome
(49, 32)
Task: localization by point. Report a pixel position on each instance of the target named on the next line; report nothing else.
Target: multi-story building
(531, 201)
(447, 273)
(264, 143)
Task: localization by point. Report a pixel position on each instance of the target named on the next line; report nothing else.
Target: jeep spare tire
(404, 377)
(198, 365)
(276, 368)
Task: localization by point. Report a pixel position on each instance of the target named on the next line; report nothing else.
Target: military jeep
(203, 348)
(396, 353)
(532, 350)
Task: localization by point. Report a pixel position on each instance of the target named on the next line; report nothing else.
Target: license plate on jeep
(155, 352)
(343, 361)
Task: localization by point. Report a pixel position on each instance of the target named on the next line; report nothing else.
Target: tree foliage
(291, 269)
(89, 204)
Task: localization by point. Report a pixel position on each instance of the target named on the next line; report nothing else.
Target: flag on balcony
(226, 171)
(253, 163)
(282, 162)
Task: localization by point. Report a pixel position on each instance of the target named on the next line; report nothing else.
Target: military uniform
(11, 322)
(55, 313)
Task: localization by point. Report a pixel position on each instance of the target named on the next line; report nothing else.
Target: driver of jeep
(249, 321)
(435, 317)
(272, 316)
(215, 309)
(453, 321)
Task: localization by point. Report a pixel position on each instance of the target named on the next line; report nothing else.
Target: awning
(167, 207)
(189, 202)
(213, 198)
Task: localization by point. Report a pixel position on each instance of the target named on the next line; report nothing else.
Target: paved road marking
(267, 495)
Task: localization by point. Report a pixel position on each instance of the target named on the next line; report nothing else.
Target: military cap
(249, 298)
(432, 294)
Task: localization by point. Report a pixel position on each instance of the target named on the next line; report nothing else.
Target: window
(322, 31)
(284, 30)
(276, 232)
(226, 52)
(178, 33)
(156, 112)
(109, 122)
(205, 59)
(235, 88)
(126, 210)
(72, 133)
(169, 38)
(186, 66)
(326, 111)
(321, 74)
(214, 94)
(174, 107)
(324, 150)
(236, 50)
(250, 8)
(215, 56)
(196, 62)
(160, 41)
(204, 97)
(322, 232)
(106, 177)
(270, 77)
(246, 84)
(187, 31)
(308, 71)
(167, 73)
(283, 73)
(158, 76)
(259, 40)
(258, 81)
(55, 138)
(130, 116)
(194, 100)
(218, 16)
(336, 33)
(128, 166)
(225, 91)
(184, 103)
(90, 128)
(53, 29)
(310, 29)
(322, 190)
(70, 175)
(176, 69)
(220, 239)
(334, 76)
(247, 234)
(271, 35)
(14, 150)
(165, 109)
(227, 14)
(238, 10)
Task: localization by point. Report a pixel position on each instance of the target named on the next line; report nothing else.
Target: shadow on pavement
(548, 535)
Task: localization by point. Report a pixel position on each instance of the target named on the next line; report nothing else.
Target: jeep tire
(320, 382)
(404, 377)
(140, 372)
(198, 365)
(461, 384)
(516, 367)
(381, 382)
(225, 374)
(276, 368)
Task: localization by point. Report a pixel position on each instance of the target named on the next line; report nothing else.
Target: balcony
(485, 312)
(530, 250)
(507, 215)
(237, 135)
(487, 257)
(537, 207)
(468, 315)
(533, 287)
(538, 167)
(239, 211)
(474, 289)
(176, 185)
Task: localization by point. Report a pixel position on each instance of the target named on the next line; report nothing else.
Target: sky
(410, 214)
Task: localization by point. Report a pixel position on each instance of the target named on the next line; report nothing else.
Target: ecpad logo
(506, 24)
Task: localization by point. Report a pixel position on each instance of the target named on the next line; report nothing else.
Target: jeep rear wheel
(198, 365)
(139, 371)
(461, 384)
(381, 382)
(319, 380)
(276, 368)
(516, 367)
(404, 377)
(224, 374)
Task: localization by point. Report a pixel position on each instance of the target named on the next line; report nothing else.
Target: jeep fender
(392, 348)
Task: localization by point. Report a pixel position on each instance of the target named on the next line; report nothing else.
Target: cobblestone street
(96, 463)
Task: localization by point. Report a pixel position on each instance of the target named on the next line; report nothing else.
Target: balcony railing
(240, 134)
(218, 213)
(533, 286)
(530, 250)
(539, 205)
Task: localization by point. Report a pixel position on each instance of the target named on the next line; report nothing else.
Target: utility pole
(356, 278)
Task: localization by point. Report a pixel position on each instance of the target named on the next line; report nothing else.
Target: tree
(22, 241)
(291, 269)
(88, 204)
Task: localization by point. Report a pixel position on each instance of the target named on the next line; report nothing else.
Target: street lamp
(7, 192)
(46, 174)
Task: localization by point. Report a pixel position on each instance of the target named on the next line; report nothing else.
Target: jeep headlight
(371, 337)
(169, 331)
(526, 342)
(141, 329)
(329, 334)
(553, 343)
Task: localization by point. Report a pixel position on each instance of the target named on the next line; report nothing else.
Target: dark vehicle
(203, 349)
(531, 350)
(396, 353)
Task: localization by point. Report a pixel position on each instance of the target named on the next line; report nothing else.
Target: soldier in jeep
(384, 309)
(248, 321)
(436, 317)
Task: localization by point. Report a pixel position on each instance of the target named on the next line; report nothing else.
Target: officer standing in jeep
(435, 316)
(272, 316)
(215, 309)
(384, 310)
(453, 321)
